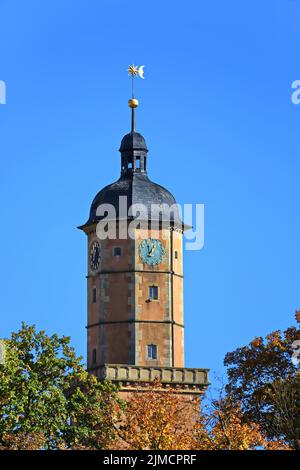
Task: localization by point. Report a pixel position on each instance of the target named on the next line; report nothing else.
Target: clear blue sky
(216, 112)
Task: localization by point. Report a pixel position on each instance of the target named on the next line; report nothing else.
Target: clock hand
(152, 249)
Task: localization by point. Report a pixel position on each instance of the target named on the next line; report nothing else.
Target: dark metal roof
(139, 189)
(133, 141)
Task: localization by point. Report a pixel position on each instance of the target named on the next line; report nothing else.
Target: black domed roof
(133, 141)
(138, 189)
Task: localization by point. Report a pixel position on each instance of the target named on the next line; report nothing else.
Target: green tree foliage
(266, 381)
(48, 400)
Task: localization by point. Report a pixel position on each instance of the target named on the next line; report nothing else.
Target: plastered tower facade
(135, 323)
(122, 319)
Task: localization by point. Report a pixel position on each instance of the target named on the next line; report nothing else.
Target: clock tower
(135, 324)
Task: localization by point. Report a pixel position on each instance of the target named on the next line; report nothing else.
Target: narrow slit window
(153, 292)
(94, 356)
(152, 351)
(94, 295)
(176, 254)
(138, 163)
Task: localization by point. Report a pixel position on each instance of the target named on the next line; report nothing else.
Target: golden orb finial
(133, 103)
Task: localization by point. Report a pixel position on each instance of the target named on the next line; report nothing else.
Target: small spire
(133, 103)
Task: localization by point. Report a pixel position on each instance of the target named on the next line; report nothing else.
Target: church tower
(135, 325)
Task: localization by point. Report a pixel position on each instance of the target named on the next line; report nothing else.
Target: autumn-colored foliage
(20, 441)
(157, 418)
(265, 380)
(49, 401)
(223, 428)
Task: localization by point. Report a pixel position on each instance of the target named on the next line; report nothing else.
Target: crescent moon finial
(141, 71)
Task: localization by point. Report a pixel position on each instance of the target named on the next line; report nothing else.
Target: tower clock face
(95, 256)
(151, 251)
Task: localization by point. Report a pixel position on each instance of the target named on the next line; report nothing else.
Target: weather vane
(134, 71)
